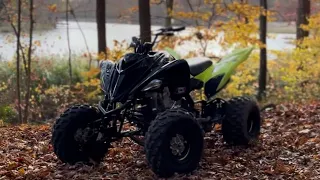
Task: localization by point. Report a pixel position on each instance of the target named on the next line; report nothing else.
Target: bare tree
(1, 5)
(203, 42)
(68, 39)
(169, 7)
(303, 12)
(263, 50)
(28, 73)
(15, 32)
(18, 61)
(145, 20)
(101, 25)
(82, 33)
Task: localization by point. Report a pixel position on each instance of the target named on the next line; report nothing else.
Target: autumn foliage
(291, 74)
(288, 148)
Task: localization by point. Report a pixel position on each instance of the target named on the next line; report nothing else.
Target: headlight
(154, 84)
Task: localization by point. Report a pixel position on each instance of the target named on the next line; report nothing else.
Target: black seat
(198, 64)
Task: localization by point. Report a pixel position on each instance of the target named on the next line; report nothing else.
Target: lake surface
(54, 42)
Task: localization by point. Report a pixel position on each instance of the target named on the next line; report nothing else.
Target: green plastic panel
(225, 66)
(229, 63)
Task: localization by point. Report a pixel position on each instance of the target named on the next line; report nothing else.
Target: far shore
(273, 27)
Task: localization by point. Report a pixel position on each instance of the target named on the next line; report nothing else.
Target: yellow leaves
(37, 43)
(3, 86)
(91, 86)
(188, 15)
(119, 49)
(2, 123)
(102, 56)
(299, 70)
(21, 171)
(91, 73)
(244, 79)
(52, 8)
(92, 82)
(133, 9)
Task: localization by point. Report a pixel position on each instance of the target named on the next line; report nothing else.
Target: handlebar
(179, 28)
(146, 47)
(163, 30)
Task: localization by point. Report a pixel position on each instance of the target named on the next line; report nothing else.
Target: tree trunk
(27, 97)
(169, 7)
(101, 25)
(145, 20)
(263, 51)
(1, 5)
(68, 39)
(18, 62)
(303, 12)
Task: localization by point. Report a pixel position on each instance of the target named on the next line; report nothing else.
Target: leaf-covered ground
(289, 149)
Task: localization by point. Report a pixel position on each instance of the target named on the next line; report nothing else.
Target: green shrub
(8, 114)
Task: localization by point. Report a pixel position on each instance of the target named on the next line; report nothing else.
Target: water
(54, 42)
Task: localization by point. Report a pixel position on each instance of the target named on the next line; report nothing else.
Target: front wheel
(74, 140)
(242, 122)
(174, 143)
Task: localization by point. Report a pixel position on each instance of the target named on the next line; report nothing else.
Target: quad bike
(151, 92)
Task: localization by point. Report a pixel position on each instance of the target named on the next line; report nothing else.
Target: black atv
(151, 91)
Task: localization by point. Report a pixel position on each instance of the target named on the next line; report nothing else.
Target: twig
(16, 33)
(18, 61)
(84, 37)
(182, 21)
(203, 46)
(68, 39)
(27, 97)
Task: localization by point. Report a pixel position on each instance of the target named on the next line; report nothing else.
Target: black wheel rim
(180, 147)
(179, 144)
(253, 122)
(83, 137)
(250, 125)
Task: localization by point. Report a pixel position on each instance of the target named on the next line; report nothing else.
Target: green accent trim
(225, 66)
(173, 53)
(229, 63)
(206, 75)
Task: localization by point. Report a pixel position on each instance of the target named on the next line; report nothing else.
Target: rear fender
(223, 70)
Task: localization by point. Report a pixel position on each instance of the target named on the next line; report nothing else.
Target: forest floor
(289, 148)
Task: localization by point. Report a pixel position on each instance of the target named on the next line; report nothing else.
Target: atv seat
(198, 64)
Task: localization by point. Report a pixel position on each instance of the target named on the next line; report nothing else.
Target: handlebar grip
(168, 34)
(135, 39)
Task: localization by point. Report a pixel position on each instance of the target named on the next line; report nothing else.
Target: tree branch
(68, 39)
(18, 62)
(16, 34)
(27, 97)
(84, 37)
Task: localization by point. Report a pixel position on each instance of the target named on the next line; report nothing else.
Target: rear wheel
(174, 143)
(242, 122)
(74, 140)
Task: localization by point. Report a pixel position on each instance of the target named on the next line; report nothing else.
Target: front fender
(175, 73)
(106, 69)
